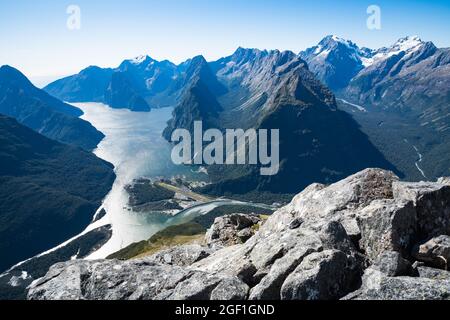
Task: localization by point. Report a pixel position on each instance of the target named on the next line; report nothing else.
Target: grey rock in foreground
(378, 286)
(231, 229)
(392, 264)
(387, 225)
(132, 280)
(432, 203)
(432, 273)
(353, 239)
(320, 276)
(181, 255)
(435, 251)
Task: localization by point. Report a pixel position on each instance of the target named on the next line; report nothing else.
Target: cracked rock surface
(368, 236)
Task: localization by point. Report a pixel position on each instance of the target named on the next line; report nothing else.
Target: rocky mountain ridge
(399, 95)
(369, 236)
(275, 90)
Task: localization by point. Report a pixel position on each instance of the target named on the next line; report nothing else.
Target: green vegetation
(185, 192)
(145, 191)
(388, 134)
(183, 233)
(169, 237)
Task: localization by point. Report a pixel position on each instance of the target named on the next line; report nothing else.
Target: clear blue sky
(35, 39)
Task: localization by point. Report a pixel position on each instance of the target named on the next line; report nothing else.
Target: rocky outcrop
(321, 275)
(392, 264)
(432, 273)
(353, 239)
(231, 229)
(133, 280)
(435, 251)
(387, 225)
(378, 286)
(182, 255)
(432, 203)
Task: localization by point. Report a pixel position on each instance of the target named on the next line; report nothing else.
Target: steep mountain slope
(44, 113)
(89, 85)
(275, 90)
(409, 84)
(199, 88)
(49, 191)
(409, 76)
(403, 93)
(122, 92)
(154, 76)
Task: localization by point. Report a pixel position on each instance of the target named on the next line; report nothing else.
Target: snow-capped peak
(408, 44)
(332, 43)
(139, 59)
(333, 39)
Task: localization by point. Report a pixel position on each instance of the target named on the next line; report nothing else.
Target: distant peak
(199, 58)
(8, 68)
(410, 38)
(197, 63)
(335, 38)
(245, 51)
(12, 76)
(90, 68)
(10, 72)
(141, 59)
(408, 43)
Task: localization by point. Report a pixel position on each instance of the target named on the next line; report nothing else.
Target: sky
(35, 38)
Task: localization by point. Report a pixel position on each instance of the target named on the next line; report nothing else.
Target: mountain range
(403, 91)
(274, 89)
(394, 99)
(42, 112)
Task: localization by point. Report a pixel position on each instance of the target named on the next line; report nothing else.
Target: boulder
(181, 255)
(432, 273)
(432, 202)
(341, 200)
(204, 286)
(231, 229)
(387, 225)
(62, 282)
(132, 280)
(392, 264)
(377, 286)
(435, 251)
(334, 236)
(270, 285)
(320, 276)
